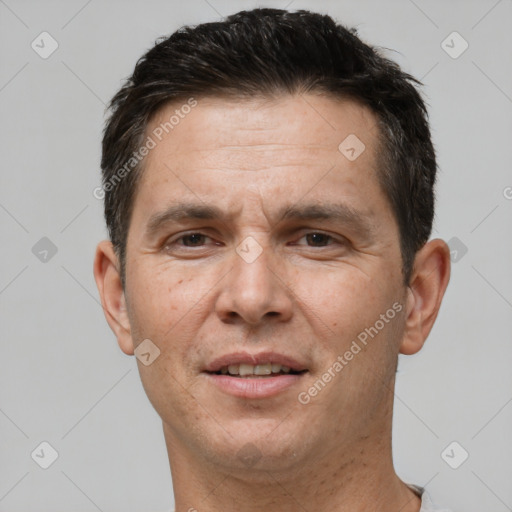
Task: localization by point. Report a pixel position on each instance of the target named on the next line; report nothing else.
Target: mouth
(248, 371)
(255, 375)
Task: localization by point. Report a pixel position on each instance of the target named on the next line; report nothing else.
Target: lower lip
(254, 387)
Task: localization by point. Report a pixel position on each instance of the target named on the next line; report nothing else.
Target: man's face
(295, 290)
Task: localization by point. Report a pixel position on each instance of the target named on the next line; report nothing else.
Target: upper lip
(259, 358)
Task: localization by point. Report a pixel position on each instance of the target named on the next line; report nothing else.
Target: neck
(354, 478)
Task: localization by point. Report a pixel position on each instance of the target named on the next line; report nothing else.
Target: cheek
(340, 302)
(161, 297)
(164, 308)
(346, 307)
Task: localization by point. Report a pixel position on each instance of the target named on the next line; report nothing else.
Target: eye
(194, 239)
(318, 239)
(314, 239)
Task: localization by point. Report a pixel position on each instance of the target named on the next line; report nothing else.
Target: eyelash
(170, 243)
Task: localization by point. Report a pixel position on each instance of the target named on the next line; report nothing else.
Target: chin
(255, 448)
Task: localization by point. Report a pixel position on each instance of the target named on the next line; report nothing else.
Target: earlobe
(428, 284)
(113, 301)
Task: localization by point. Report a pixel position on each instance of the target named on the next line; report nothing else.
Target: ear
(425, 292)
(108, 281)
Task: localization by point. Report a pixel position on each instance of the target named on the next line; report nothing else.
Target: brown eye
(194, 238)
(318, 238)
(187, 241)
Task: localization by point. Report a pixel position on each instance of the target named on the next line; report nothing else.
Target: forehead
(271, 151)
(302, 126)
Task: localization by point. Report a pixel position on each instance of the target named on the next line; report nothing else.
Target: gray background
(63, 378)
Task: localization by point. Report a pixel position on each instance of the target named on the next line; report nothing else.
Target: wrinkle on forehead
(251, 122)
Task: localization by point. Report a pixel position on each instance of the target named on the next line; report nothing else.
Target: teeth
(250, 369)
(263, 369)
(233, 369)
(246, 369)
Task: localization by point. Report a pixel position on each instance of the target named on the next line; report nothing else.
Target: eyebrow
(336, 212)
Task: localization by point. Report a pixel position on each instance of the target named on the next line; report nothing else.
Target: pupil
(316, 235)
(195, 237)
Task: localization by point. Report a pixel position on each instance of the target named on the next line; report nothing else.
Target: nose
(254, 291)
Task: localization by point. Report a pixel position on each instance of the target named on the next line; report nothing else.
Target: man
(269, 198)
